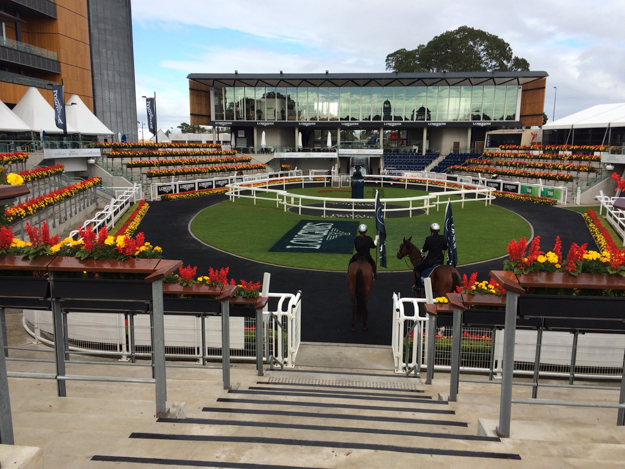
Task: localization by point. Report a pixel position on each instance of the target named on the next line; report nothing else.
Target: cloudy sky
(580, 44)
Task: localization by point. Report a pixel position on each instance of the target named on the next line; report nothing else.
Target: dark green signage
(328, 237)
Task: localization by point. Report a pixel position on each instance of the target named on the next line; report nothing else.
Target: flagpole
(375, 217)
(155, 120)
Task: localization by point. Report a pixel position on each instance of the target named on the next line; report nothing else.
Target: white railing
(402, 323)
(265, 189)
(615, 216)
(124, 198)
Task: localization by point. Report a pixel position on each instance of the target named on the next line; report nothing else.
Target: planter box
(106, 289)
(567, 306)
(24, 287)
(192, 305)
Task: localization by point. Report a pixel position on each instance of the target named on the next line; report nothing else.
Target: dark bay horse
(444, 278)
(359, 279)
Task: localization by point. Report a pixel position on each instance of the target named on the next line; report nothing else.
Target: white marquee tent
(80, 118)
(600, 116)
(37, 113)
(9, 122)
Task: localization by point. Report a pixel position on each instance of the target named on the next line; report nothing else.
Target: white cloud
(580, 43)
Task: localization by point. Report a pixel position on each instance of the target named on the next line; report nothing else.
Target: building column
(425, 136)
(296, 138)
(381, 137)
(255, 138)
(214, 133)
(469, 137)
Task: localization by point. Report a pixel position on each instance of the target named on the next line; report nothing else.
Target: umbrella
(299, 141)
(233, 142)
(329, 140)
(263, 142)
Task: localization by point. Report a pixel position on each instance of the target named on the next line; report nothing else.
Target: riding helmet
(435, 227)
(362, 228)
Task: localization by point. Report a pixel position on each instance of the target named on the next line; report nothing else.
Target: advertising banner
(551, 193)
(510, 187)
(164, 189)
(529, 190)
(330, 237)
(58, 99)
(186, 187)
(220, 183)
(150, 104)
(202, 185)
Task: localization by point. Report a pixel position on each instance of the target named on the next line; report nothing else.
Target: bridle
(405, 244)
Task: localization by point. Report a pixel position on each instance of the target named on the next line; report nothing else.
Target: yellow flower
(157, 249)
(120, 240)
(441, 299)
(109, 241)
(542, 259)
(15, 179)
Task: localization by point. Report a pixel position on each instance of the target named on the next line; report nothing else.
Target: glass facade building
(368, 103)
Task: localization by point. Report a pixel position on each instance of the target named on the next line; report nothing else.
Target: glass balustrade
(23, 47)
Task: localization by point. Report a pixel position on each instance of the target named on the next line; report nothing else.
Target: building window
(302, 104)
(344, 102)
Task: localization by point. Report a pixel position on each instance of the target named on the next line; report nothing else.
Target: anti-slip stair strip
(288, 392)
(387, 392)
(326, 428)
(367, 418)
(342, 373)
(325, 444)
(192, 463)
(345, 384)
(338, 406)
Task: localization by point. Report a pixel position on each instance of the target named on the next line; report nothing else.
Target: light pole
(142, 124)
(553, 116)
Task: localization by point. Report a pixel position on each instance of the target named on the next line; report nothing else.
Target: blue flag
(450, 236)
(379, 225)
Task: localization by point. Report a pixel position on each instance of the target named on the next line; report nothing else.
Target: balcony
(33, 8)
(25, 80)
(26, 55)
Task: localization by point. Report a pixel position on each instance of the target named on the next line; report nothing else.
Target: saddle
(427, 272)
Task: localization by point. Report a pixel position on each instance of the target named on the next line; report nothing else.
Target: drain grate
(342, 383)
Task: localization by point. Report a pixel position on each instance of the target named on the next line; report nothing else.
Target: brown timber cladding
(200, 103)
(68, 36)
(533, 102)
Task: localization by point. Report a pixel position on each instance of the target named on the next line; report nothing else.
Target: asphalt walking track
(326, 311)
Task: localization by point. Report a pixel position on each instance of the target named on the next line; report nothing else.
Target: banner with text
(58, 99)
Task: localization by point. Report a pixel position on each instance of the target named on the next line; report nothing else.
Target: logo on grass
(328, 237)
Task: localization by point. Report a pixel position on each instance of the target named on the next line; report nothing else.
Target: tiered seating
(453, 159)
(405, 160)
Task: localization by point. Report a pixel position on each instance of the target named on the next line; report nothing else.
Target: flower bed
(132, 223)
(10, 158)
(152, 145)
(586, 168)
(536, 199)
(187, 161)
(169, 153)
(556, 147)
(186, 277)
(155, 173)
(32, 206)
(598, 231)
(542, 156)
(41, 172)
(285, 167)
(514, 173)
(193, 194)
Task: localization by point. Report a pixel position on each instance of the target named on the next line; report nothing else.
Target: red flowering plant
(620, 182)
(471, 286)
(102, 246)
(186, 277)
(248, 289)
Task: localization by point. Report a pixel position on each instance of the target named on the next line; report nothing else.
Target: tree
(545, 118)
(462, 50)
(191, 129)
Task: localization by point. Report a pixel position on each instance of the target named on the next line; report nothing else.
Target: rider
(363, 244)
(434, 244)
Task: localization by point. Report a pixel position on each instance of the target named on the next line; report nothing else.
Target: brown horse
(444, 278)
(359, 279)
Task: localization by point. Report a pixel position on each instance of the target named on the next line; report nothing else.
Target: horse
(359, 280)
(444, 278)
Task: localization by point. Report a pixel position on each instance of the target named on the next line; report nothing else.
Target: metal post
(158, 350)
(620, 421)
(203, 339)
(573, 358)
(505, 404)
(6, 420)
(431, 348)
(539, 344)
(225, 342)
(259, 342)
(492, 355)
(65, 335)
(3, 327)
(131, 337)
(456, 345)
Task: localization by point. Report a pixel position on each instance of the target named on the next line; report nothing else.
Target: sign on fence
(510, 187)
(164, 189)
(220, 183)
(186, 186)
(202, 185)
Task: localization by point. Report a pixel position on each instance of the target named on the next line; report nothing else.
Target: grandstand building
(86, 45)
(364, 115)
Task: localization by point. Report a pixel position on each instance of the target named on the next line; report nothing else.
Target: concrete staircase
(341, 407)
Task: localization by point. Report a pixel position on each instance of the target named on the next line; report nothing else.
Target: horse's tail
(455, 281)
(360, 293)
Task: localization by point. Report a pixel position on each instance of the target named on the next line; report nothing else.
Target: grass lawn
(482, 232)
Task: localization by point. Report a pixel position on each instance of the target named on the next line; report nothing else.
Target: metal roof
(220, 80)
(600, 116)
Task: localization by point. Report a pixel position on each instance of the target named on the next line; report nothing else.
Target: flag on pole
(450, 236)
(379, 226)
(150, 104)
(58, 98)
